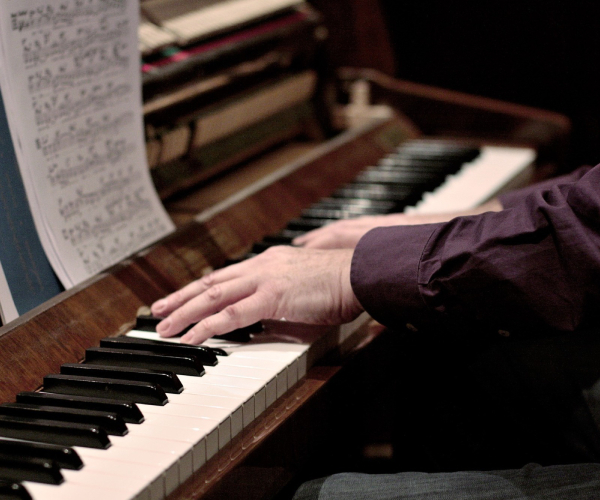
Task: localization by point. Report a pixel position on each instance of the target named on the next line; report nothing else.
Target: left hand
(300, 285)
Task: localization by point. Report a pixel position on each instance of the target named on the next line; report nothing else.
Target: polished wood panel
(222, 220)
(441, 112)
(60, 330)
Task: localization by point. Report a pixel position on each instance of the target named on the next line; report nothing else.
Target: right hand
(300, 285)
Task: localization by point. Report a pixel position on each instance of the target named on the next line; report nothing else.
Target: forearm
(535, 265)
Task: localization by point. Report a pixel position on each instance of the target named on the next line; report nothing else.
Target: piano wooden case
(221, 218)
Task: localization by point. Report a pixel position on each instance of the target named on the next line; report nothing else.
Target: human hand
(300, 285)
(347, 233)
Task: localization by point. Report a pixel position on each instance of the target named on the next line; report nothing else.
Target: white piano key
(219, 416)
(270, 368)
(229, 405)
(257, 386)
(268, 377)
(478, 181)
(155, 488)
(72, 491)
(180, 451)
(132, 485)
(244, 396)
(194, 436)
(159, 465)
(208, 434)
(271, 350)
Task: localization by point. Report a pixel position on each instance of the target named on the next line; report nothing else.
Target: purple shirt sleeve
(513, 197)
(532, 266)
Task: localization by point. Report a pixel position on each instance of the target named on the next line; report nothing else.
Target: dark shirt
(534, 265)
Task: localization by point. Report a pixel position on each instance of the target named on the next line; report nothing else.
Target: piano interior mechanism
(254, 134)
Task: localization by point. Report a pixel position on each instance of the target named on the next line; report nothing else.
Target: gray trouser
(532, 482)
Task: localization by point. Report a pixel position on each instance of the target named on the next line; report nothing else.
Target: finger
(305, 238)
(323, 242)
(165, 306)
(243, 313)
(212, 300)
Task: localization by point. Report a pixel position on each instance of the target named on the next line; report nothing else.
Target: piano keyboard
(191, 20)
(143, 415)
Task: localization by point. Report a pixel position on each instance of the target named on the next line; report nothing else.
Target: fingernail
(163, 326)
(159, 306)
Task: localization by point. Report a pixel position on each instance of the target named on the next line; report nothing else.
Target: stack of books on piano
(224, 80)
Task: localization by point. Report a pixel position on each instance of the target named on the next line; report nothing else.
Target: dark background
(539, 53)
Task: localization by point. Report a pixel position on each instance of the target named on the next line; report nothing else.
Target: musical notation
(75, 82)
(95, 160)
(44, 45)
(64, 13)
(85, 66)
(111, 192)
(89, 132)
(66, 106)
(100, 255)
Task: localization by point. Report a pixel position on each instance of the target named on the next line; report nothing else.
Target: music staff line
(85, 230)
(44, 80)
(109, 193)
(96, 258)
(82, 136)
(94, 164)
(50, 111)
(69, 13)
(42, 48)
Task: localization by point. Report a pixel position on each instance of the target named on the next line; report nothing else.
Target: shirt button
(504, 333)
(411, 327)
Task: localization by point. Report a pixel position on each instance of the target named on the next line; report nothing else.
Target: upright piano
(359, 142)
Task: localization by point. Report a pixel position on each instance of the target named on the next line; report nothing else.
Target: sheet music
(75, 110)
(8, 310)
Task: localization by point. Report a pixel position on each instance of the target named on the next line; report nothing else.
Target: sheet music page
(73, 97)
(8, 310)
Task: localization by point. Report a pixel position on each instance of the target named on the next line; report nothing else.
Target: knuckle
(214, 293)
(207, 280)
(232, 312)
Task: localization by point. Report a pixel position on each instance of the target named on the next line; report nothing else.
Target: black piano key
(125, 390)
(37, 470)
(110, 422)
(54, 432)
(167, 380)
(371, 191)
(148, 323)
(63, 456)
(127, 410)
(13, 491)
(241, 335)
(302, 224)
(261, 246)
(423, 181)
(441, 151)
(220, 352)
(188, 365)
(348, 212)
(204, 354)
(285, 237)
(381, 207)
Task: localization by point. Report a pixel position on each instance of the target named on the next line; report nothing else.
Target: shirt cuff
(384, 272)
